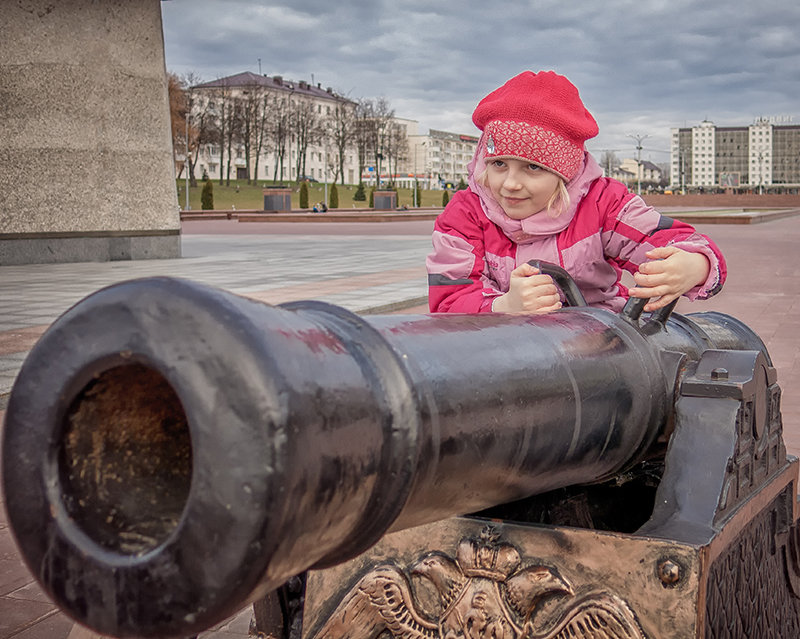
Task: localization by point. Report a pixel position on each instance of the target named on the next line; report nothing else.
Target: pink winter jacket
(606, 229)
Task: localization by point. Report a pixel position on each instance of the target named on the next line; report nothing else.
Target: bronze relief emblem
(482, 593)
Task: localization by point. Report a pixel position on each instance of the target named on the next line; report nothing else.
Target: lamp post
(325, 170)
(186, 160)
(416, 184)
(638, 139)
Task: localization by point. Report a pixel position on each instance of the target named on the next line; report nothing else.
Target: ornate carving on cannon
(172, 452)
(485, 590)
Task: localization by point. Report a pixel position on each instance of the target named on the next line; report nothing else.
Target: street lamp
(639, 139)
(186, 157)
(325, 171)
(416, 184)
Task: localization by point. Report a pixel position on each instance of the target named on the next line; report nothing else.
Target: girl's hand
(529, 291)
(672, 272)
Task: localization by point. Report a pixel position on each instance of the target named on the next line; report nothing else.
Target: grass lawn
(240, 195)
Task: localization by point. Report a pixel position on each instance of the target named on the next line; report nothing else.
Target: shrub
(371, 198)
(445, 197)
(304, 195)
(461, 185)
(207, 196)
(360, 195)
(333, 202)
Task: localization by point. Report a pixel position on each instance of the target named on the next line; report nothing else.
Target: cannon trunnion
(172, 452)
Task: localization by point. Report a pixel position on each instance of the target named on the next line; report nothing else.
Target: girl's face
(521, 188)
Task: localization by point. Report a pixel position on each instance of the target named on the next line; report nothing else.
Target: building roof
(435, 133)
(276, 82)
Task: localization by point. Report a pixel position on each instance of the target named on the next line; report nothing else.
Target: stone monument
(86, 168)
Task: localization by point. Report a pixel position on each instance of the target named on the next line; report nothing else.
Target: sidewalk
(363, 273)
(365, 268)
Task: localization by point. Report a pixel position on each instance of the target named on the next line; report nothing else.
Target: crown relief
(487, 557)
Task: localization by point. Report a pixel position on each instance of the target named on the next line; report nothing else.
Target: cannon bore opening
(125, 463)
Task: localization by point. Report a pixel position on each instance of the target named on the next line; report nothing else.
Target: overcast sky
(641, 66)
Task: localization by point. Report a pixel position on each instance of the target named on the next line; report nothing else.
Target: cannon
(173, 452)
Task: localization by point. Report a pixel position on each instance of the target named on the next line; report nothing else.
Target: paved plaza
(366, 268)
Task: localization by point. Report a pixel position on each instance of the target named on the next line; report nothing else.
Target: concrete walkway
(366, 268)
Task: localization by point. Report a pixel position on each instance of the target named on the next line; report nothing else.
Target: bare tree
(340, 132)
(279, 131)
(362, 132)
(382, 116)
(233, 126)
(305, 125)
(253, 112)
(178, 109)
(199, 131)
(260, 127)
(395, 146)
(192, 122)
(609, 161)
(222, 107)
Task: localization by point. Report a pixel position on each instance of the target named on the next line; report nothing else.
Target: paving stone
(356, 266)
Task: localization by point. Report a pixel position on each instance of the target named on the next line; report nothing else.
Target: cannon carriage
(173, 452)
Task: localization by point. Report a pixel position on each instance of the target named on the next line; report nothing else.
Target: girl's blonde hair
(559, 201)
(556, 205)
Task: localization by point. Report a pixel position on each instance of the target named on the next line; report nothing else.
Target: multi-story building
(762, 156)
(245, 101)
(449, 154)
(437, 160)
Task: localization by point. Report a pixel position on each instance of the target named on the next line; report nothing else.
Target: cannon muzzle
(172, 451)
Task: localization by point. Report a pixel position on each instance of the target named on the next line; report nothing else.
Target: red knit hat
(537, 117)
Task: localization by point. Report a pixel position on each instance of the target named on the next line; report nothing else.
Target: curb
(392, 307)
(738, 217)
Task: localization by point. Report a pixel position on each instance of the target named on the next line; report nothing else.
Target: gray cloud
(642, 66)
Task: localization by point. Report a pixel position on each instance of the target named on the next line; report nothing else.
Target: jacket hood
(539, 224)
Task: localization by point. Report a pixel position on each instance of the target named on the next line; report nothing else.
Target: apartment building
(437, 160)
(764, 156)
(243, 101)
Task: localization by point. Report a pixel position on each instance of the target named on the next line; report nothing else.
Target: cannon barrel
(173, 451)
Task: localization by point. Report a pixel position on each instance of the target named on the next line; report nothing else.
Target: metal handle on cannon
(635, 305)
(563, 280)
(632, 310)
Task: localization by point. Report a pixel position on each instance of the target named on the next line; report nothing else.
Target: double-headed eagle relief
(485, 592)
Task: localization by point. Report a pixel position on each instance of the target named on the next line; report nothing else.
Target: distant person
(535, 193)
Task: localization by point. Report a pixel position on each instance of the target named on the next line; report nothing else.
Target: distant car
(306, 178)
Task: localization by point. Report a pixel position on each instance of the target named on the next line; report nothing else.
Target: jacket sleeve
(457, 282)
(636, 228)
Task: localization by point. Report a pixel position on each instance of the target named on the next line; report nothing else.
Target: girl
(536, 193)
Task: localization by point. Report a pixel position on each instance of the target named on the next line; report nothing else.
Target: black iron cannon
(172, 452)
